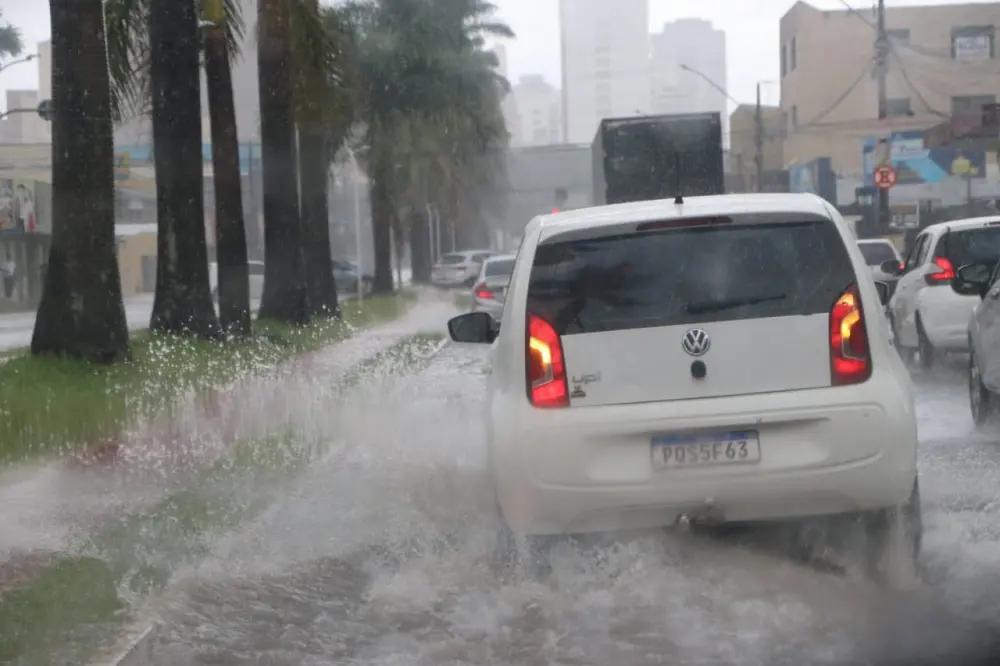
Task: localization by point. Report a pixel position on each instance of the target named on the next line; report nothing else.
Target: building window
(791, 56)
(602, 74)
(899, 36)
(784, 62)
(971, 105)
(973, 43)
(898, 107)
(602, 63)
(793, 119)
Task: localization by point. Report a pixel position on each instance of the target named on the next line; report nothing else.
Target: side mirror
(972, 280)
(884, 292)
(473, 327)
(891, 267)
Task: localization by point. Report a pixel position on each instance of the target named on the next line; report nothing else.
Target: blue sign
(917, 165)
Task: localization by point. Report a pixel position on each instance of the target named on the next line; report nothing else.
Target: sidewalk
(48, 508)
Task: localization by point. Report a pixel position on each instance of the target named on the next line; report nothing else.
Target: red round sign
(885, 176)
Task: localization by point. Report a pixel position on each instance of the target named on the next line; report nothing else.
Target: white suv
(721, 360)
(927, 316)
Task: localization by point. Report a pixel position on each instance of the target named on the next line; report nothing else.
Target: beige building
(743, 144)
(943, 63)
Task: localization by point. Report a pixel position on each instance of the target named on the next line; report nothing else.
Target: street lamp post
(27, 58)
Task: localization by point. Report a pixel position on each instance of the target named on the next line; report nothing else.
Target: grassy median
(75, 602)
(51, 406)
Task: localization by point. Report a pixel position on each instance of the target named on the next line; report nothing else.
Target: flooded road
(380, 555)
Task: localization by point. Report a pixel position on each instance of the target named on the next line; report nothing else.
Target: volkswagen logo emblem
(696, 342)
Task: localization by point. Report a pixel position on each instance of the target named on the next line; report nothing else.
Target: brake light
(850, 357)
(483, 292)
(546, 368)
(942, 273)
(684, 223)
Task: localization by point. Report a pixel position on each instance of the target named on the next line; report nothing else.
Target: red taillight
(942, 273)
(902, 267)
(546, 367)
(850, 358)
(483, 292)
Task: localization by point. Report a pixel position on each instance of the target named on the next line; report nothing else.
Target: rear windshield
(877, 253)
(689, 276)
(453, 259)
(970, 246)
(499, 268)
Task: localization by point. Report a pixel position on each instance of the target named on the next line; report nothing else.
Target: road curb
(135, 648)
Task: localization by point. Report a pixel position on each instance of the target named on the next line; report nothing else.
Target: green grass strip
(49, 406)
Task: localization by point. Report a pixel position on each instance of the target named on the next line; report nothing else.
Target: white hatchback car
(490, 290)
(662, 363)
(927, 316)
(458, 268)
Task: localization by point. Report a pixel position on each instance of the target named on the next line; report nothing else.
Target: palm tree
(421, 59)
(81, 314)
(183, 301)
(230, 232)
(325, 108)
(10, 40)
(285, 296)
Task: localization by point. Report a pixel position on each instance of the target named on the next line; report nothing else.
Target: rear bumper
(818, 457)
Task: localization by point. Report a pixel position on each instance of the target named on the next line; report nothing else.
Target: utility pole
(759, 142)
(881, 72)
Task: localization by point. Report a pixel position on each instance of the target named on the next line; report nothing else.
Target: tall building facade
(539, 112)
(943, 64)
(683, 46)
(605, 63)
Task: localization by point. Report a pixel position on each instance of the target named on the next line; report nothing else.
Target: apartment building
(943, 63)
(538, 120)
(689, 69)
(605, 63)
(743, 148)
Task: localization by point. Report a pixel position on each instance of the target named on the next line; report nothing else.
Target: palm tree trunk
(380, 196)
(230, 233)
(183, 302)
(420, 247)
(81, 314)
(314, 168)
(285, 296)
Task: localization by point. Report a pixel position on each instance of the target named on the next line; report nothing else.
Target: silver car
(458, 269)
(491, 285)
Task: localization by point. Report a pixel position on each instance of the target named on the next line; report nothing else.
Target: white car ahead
(458, 269)
(491, 285)
(927, 315)
(662, 363)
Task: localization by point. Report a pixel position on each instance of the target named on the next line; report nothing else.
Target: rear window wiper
(731, 303)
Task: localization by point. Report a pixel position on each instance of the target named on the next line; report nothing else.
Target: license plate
(729, 448)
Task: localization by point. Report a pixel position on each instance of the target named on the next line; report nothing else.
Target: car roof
(963, 225)
(501, 257)
(666, 209)
(875, 241)
(467, 253)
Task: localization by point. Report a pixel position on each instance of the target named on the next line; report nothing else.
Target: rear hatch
(961, 247)
(450, 266)
(750, 297)
(497, 277)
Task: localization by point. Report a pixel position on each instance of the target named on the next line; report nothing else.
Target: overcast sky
(751, 28)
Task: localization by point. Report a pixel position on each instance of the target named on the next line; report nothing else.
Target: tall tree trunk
(81, 314)
(285, 296)
(380, 197)
(230, 233)
(420, 247)
(314, 168)
(183, 301)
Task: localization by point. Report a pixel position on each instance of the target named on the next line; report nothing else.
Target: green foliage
(11, 44)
